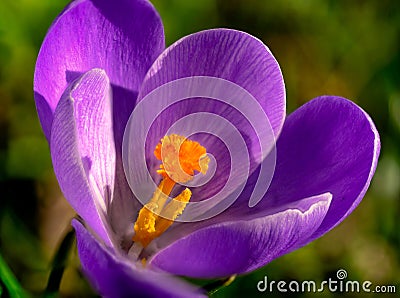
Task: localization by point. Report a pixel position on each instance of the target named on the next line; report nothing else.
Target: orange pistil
(180, 159)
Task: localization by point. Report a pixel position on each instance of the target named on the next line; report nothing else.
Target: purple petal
(328, 145)
(83, 150)
(207, 59)
(227, 54)
(122, 37)
(114, 276)
(235, 247)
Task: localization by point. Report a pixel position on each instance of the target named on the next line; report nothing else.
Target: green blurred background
(347, 48)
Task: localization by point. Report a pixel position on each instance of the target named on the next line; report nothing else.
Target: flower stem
(9, 281)
(215, 286)
(59, 264)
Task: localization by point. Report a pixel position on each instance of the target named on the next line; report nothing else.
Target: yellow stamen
(180, 159)
(172, 211)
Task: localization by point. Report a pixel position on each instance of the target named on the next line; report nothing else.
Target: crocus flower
(98, 62)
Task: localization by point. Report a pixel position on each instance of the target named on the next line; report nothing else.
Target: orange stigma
(180, 159)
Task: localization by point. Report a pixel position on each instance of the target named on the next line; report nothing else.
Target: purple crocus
(99, 61)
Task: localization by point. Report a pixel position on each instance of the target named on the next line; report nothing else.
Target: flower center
(180, 159)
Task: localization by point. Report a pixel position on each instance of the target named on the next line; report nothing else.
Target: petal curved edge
(227, 54)
(328, 145)
(223, 72)
(122, 37)
(241, 246)
(83, 150)
(115, 276)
